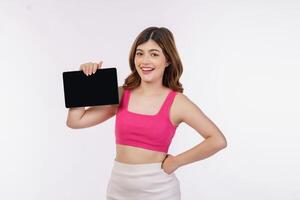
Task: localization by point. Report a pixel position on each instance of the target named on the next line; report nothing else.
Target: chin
(147, 80)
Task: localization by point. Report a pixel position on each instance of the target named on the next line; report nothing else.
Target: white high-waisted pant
(142, 182)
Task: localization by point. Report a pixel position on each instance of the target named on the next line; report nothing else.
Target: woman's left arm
(186, 111)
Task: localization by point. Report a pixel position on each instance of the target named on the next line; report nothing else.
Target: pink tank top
(153, 132)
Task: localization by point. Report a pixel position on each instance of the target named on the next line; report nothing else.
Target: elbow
(221, 143)
(68, 124)
(224, 144)
(71, 125)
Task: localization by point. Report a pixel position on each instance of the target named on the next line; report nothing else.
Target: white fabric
(142, 182)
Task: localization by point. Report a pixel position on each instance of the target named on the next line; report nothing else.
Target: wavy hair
(164, 38)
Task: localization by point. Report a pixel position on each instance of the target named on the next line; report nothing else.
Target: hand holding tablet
(90, 86)
(90, 68)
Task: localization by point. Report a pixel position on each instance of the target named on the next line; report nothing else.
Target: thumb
(100, 63)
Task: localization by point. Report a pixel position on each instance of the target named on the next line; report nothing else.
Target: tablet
(97, 89)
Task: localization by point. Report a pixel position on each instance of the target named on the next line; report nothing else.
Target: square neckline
(141, 114)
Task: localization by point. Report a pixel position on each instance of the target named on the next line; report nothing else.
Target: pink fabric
(153, 132)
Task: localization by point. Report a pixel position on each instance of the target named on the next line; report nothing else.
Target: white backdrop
(241, 67)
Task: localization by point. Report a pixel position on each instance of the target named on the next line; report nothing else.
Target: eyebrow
(149, 50)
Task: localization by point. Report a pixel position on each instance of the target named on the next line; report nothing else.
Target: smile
(147, 70)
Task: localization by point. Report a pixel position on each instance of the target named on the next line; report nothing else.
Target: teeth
(147, 69)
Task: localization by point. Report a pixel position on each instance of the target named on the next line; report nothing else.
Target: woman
(151, 108)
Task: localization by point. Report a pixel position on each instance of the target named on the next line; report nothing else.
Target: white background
(241, 67)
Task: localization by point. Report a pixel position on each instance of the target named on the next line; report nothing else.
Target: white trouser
(142, 182)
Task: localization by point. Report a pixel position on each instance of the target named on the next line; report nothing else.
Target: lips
(147, 70)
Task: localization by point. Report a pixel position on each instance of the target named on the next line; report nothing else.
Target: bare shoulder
(179, 103)
(182, 106)
(121, 91)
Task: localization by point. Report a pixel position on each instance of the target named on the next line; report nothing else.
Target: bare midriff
(136, 155)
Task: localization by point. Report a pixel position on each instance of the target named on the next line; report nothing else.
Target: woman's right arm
(81, 117)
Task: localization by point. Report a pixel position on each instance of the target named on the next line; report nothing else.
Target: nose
(146, 59)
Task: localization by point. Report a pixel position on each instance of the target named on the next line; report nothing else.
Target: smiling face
(150, 62)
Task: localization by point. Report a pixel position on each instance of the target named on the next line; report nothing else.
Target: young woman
(151, 108)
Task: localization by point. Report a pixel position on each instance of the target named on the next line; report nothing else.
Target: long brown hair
(164, 38)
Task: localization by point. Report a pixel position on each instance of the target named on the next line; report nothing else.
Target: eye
(154, 54)
(138, 53)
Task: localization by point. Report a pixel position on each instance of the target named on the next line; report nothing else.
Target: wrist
(178, 161)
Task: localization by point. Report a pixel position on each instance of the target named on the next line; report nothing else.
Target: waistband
(119, 166)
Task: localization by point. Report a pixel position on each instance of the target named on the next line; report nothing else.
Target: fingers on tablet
(90, 68)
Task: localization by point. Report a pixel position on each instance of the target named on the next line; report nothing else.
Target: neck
(151, 88)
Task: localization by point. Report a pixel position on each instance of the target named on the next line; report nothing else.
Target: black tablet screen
(100, 88)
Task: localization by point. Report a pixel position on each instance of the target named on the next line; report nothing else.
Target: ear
(168, 64)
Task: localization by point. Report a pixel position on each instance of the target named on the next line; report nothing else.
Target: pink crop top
(154, 132)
